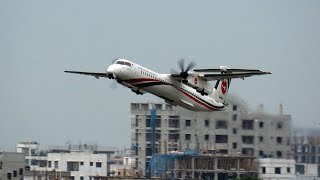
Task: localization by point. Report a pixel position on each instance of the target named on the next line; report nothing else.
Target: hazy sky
(41, 39)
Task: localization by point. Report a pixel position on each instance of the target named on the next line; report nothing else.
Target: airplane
(190, 90)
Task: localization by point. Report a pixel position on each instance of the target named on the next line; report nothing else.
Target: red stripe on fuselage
(140, 80)
(203, 104)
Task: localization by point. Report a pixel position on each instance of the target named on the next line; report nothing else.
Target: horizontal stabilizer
(211, 77)
(229, 70)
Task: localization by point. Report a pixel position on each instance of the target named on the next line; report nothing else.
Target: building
(209, 166)
(276, 169)
(11, 166)
(306, 148)
(72, 162)
(81, 164)
(34, 157)
(235, 131)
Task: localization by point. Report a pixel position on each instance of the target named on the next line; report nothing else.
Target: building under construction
(235, 131)
(191, 166)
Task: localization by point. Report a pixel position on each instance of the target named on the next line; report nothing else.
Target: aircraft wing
(96, 75)
(211, 77)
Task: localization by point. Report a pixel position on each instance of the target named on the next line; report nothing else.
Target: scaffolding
(192, 166)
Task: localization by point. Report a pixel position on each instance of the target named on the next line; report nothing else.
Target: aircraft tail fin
(220, 90)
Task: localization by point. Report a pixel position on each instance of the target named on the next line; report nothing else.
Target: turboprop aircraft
(188, 89)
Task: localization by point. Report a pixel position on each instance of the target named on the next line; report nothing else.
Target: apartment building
(79, 162)
(11, 166)
(306, 148)
(235, 131)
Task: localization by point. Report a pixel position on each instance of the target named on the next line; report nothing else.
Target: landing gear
(110, 76)
(137, 92)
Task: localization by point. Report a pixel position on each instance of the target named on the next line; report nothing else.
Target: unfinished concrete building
(235, 131)
(184, 166)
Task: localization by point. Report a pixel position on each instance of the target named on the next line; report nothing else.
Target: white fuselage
(141, 80)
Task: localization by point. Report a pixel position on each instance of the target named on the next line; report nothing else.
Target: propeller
(184, 69)
(113, 85)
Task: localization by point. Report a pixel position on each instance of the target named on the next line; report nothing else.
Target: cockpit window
(124, 63)
(120, 62)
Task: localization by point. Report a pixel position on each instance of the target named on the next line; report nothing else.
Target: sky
(41, 39)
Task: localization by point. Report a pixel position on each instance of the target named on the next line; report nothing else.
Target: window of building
(234, 117)
(234, 131)
(279, 140)
(15, 173)
(234, 107)
(277, 170)
(279, 154)
(81, 178)
(261, 138)
(279, 125)
(188, 136)
(247, 139)
(72, 166)
(261, 154)
(288, 170)
(248, 151)
(148, 151)
(234, 145)
(42, 163)
(206, 123)
(313, 159)
(221, 124)
(174, 121)
(33, 152)
(56, 164)
(91, 163)
(98, 164)
(20, 171)
(223, 151)
(188, 122)
(81, 163)
(49, 164)
(261, 124)
(206, 137)
(71, 178)
(9, 176)
(221, 138)
(247, 124)
(174, 135)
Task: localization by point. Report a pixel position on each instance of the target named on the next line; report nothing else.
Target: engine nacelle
(201, 85)
(224, 68)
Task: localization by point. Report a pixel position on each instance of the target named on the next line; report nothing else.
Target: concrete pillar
(215, 168)
(238, 167)
(192, 167)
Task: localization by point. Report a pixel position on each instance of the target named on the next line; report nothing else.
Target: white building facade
(81, 164)
(11, 166)
(276, 169)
